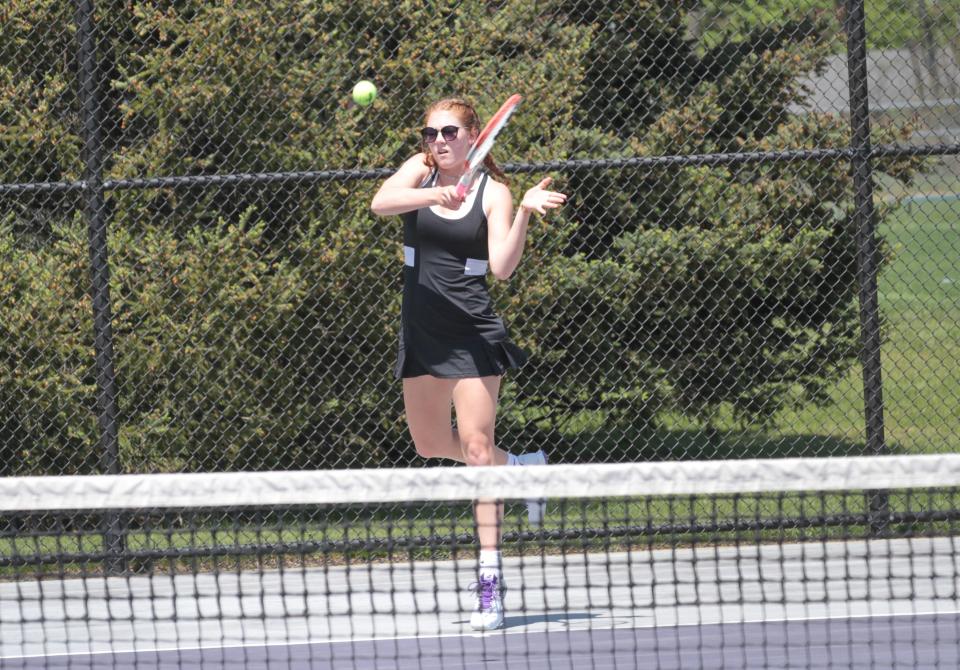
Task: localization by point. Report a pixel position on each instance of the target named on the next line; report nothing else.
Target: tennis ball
(364, 92)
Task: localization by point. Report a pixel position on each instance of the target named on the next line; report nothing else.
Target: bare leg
(475, 401)
(427, 401)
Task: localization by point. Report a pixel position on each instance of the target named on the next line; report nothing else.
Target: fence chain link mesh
(698, 296)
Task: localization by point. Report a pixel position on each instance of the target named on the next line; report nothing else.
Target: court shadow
(546, 617)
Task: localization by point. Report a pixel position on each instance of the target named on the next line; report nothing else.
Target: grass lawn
(920, 354)
(920, 306)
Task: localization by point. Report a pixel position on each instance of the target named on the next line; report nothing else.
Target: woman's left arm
(505, 241)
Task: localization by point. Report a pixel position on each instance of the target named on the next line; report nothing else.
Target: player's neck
(448, 178)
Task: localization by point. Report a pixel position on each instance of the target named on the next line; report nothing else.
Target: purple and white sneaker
(488, 614)
(536, 507)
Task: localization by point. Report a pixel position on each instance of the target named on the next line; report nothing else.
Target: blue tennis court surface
(915, 641)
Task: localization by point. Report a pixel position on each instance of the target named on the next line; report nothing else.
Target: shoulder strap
(430, 179)
(483, 183)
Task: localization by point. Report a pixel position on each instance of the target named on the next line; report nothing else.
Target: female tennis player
(453, 347)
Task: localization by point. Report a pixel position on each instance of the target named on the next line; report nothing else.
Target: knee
(477, 449)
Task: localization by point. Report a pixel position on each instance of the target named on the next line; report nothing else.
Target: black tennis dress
(448, 326)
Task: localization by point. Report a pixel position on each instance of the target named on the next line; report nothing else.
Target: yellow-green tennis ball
(364, 92)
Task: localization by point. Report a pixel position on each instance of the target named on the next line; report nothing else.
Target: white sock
(489, 563)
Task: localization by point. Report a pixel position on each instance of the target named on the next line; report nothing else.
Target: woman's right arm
(401, 191)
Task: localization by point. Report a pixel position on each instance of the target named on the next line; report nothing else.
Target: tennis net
(837, 562)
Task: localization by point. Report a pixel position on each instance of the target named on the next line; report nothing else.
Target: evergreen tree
(255, 320)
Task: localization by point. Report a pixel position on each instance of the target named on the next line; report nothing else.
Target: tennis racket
(484, 143)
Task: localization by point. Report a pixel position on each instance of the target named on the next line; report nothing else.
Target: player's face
(449, 150)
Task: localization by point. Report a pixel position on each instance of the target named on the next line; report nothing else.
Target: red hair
(467, 115)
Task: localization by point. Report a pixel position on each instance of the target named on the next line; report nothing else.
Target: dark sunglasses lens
(449, 133)
(429, 135)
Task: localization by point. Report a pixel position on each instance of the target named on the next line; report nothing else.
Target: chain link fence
(758, 257)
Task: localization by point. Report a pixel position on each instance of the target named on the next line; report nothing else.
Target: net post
(90, 89)
(864, 220)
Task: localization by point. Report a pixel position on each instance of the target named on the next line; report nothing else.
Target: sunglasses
(430, 134)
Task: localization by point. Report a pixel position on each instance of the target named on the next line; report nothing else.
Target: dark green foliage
(255, 324)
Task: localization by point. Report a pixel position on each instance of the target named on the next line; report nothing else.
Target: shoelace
(487, 589)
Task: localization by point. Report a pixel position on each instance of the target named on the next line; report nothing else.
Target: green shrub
(255, 324)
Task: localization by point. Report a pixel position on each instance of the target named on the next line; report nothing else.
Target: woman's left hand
(540, 199)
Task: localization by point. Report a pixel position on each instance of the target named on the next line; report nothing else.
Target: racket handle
(462, 187)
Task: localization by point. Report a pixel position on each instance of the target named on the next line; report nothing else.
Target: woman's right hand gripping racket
(484, 143)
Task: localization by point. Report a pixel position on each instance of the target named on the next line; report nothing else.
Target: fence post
(864, 219)
(90, 90)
